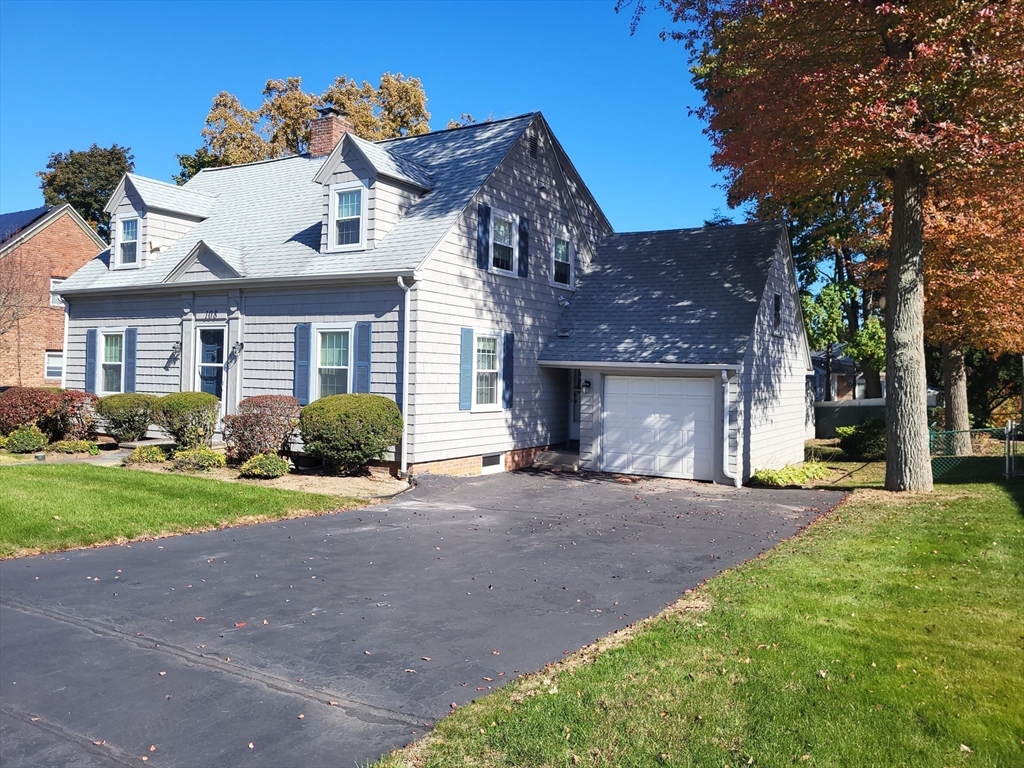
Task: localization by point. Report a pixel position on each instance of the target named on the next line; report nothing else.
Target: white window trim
(196, 363)
(55, 298)
(46, 364)
(514, 272)
(500, 387)
(101, 333)
(314, 358)
(571, 285)
(115, 259)
(332, 218)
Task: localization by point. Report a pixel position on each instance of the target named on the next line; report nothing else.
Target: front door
(210, 361)
(576, 392)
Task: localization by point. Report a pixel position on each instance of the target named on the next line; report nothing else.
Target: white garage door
(656, 426)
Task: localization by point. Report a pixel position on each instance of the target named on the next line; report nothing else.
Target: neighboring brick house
(39, 248)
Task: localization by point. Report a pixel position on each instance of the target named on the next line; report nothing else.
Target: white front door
(659, 426)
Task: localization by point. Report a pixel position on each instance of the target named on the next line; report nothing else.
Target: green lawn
(49, 508)
(889, 633)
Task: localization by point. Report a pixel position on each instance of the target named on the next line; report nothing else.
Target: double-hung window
(332, 362)
(54, 365)
(128, 243)
(347, 230)
(55, 297)
(503, 242)
(112, 362)
(561, 262)
(486, 370)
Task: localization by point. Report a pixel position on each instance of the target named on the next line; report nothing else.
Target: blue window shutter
(483, 236)
(363, 347)
(131, 343)
(524, 246)
(466, 371)
(300, 383)
(508, 369)
(91, 347)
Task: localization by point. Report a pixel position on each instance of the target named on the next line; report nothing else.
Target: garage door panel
(659, 426)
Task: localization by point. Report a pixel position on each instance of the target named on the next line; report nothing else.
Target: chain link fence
(954, 449)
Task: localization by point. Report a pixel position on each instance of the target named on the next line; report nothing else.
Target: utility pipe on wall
(402, 461)
(736, 480)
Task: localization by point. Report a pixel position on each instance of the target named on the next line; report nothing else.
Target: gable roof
(385, 162)
(20, 225)
(163, 196)
(271, 212)
(680, 296)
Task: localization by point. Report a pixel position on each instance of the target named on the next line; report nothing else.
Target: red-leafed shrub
(71, 416)
(24, 406)
(263, 424)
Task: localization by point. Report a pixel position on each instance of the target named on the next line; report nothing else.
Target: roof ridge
(302, 156)
(458, 128)
(770, 222)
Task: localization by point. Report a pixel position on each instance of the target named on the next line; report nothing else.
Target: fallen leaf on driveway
(99, 743)
(200, 618)
(162, 674)
(152, 747)
(239, 624)
(425, 658)
(250, 745)
(495, 653)
(301, 717)
(333, 703)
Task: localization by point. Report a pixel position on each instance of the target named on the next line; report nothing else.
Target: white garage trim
(663, 426)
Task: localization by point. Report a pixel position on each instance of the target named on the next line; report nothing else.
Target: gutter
(737, 482)
(637, 366)
(403, 458)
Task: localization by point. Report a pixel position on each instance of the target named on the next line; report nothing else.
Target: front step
(563, 460)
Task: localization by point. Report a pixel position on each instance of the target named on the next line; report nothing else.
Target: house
(435, 270)
(39, 249)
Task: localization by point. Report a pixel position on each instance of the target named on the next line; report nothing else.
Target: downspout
(402, 461)
(736, 481)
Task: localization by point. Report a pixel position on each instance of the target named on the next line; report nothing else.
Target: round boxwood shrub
(189, 417)
(350, 431)
(265, 466)
(26, 440)
(197, 459)
(146, 454)
(24, 406)
(263, 424)
(127, 416)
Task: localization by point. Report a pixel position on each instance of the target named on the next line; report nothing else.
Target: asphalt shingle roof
(13, 223)
(270, 213)
(394, 164)
(171, 197)
(678, 296)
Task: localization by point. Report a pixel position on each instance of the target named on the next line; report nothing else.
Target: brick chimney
(328, 130)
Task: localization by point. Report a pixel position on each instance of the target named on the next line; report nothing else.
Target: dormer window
(347, 222)
(128, 243)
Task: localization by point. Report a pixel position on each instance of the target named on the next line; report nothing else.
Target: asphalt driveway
(330, 640)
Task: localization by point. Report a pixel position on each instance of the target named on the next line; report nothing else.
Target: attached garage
(659, 426)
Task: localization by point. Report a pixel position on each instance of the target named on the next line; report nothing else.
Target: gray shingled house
(442, 271)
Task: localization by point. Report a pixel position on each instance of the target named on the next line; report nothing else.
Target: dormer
(148, 216)
(367, 187)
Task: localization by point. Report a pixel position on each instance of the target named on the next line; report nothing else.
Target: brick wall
(470, 466)
(56, 251)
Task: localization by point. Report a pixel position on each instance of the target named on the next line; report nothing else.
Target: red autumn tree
(812, 96)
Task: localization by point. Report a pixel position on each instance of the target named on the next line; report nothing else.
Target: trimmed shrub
(127, 416)
(189, 417)
(24, 406)
(864, 441)
(71, 417)
(146, 454)
(350, 431)
(26, 440)
(3, 442)
(73, 446)
(794, 474)
(263, 424)
(265, 466)
(197, 459)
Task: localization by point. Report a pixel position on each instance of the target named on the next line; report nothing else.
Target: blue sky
(143, 75)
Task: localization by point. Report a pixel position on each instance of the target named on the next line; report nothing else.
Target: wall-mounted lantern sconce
(237, 348)
(176, 349)
(585, 386)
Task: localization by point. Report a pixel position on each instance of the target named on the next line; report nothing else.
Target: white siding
(389, 202)
(454, 293)
(162, 230)
(776, 372)
(351, 169)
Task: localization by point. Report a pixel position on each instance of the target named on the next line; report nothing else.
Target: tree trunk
(828, 373)
(872, 383)
(954, 382)
(908, 464)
